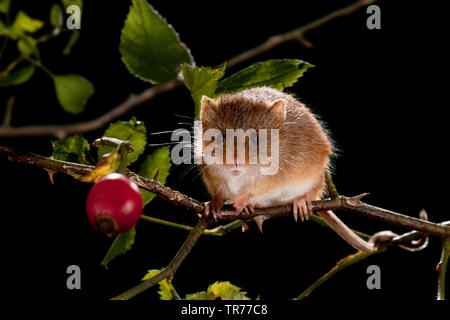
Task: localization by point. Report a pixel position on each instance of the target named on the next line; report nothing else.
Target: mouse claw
(214, 207)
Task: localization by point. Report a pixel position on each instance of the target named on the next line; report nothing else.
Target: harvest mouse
(302, 151)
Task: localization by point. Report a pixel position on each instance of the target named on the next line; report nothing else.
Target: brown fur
(304, 145)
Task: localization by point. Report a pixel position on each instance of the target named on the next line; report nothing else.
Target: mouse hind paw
(302, 207)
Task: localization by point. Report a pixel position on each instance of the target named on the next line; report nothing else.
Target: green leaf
(277, 73)
(56, 16)
(150, 47)
(132, 131)
(166, 289)
(201, 81)
(17, 77)
(73, 92)
(73, 149)
(122, 243)
(27, 46)
(202, 295)
(74, 35)
(4, 6)
(67, 3)
(223, 290)
(24, 23)
(2, 28)
(158, 160)
(227, 291)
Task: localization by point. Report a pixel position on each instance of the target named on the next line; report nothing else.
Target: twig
(61, 131)
(442, 268)
(217, 231)
(352, 204)
(297, 34)
(342, 264)
(331, 188)
(172, 267)
(356, 257)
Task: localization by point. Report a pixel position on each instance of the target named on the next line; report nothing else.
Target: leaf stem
(39, 64)
(8, 113)
(218, 231)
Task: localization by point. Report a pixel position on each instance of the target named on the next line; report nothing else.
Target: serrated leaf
(24, 23)
(223, 290)
(74, 35)
(132, 131)
(226, 291)
(4, 6)
(166, 289)
(201, 81)
(122, 243)
(276, 73)
(17, 77)
(73, 149)
(73, 92)
(202, 295)
(56, 16)
(159, 160)
(150, 47)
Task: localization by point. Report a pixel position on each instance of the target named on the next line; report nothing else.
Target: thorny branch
(352, 204)
(61, 131)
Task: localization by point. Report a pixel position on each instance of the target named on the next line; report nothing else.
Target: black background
(382, 94)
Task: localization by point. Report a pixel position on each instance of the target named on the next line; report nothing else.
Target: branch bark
(351, 204)
(61, 131)
(442, 268)
(297, 34)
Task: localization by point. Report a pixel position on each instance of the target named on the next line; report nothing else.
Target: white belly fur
(282, 195)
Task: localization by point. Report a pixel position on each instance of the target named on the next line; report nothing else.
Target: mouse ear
(207, 106)
(278, 108)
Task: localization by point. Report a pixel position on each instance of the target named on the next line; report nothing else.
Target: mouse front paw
(214, 207)
(302, 207)
(240, 204)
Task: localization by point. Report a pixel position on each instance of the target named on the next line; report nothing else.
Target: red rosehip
(114, 204)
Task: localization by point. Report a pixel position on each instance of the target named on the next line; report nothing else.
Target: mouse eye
(253, 138)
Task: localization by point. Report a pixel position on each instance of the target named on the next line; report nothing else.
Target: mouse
(271, 123)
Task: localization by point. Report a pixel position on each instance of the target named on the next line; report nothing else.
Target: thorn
(155, 177)
(244, 225)
(355, 201)
(259, 221)
(51, 173)
(423, 215)
(169, 279)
